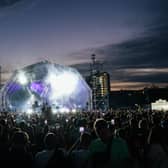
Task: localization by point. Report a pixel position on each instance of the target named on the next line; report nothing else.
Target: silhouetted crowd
(118, 139)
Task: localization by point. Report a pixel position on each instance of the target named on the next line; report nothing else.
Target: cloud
(117, 85)
(142, 60)
(6, 3)
(149, 49)
(5, 75)
(143, 51)
(12, 7)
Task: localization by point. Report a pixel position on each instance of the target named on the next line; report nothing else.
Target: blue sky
(127, 35)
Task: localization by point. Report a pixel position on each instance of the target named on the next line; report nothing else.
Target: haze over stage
(59, 86)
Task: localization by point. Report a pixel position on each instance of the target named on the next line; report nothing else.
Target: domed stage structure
(60, 87)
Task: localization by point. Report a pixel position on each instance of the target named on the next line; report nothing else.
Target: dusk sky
(129, 36)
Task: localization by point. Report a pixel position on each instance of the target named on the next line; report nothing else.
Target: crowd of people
(126, 138)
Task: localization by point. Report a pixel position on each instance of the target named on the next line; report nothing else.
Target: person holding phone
(79, 153)
(113, 122)
(81, 129)
(107, 150)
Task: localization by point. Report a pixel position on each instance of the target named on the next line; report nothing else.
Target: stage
(60, 87)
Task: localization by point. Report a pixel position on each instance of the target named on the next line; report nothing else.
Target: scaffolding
(99, 101)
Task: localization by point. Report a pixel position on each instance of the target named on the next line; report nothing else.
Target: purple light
(13, 87)
(37, 87)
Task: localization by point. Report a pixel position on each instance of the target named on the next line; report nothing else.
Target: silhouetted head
(50, 141)
(85, 140)
(3, 122)
(102, 130)
(20, 138)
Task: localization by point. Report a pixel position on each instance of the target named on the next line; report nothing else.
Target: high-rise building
(103, 91)
(100, 83)
(104, 79)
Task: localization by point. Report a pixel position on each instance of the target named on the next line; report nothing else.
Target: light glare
(29, 111)
(160, 105)
(62, 85)
(73, 110)
(22, 78)
(54, 111)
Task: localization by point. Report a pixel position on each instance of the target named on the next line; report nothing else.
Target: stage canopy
(160, 105)
(58, 86)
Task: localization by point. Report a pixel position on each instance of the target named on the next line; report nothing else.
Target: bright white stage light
(160, 105)
(62, 110)
(63, 84)
(22, 78)
(67, 110)
(54, 111)
(73, 110)
(29, 111)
